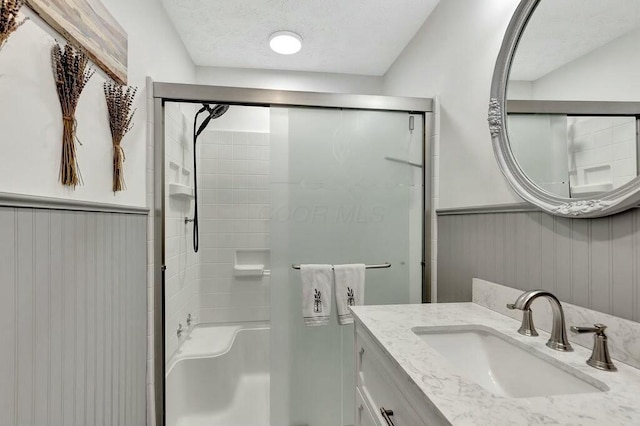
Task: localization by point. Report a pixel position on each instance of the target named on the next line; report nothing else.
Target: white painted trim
(34, 202)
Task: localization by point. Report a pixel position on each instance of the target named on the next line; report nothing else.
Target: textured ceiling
(341, 36)
(560, 31)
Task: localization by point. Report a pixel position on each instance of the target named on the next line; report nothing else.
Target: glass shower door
(337, 198)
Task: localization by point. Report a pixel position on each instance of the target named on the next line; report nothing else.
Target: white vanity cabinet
(380, 386)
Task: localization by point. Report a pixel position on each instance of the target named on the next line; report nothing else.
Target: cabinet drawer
(379, 390)
(364, 417)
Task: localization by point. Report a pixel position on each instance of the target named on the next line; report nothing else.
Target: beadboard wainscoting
(73, 311)
(594, 263)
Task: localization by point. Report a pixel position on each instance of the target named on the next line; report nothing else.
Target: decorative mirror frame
(611, 202)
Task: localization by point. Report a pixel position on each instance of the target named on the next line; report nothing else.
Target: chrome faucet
(558, 340)
(600, 357)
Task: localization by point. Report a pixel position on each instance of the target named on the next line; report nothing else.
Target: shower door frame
(194, 93)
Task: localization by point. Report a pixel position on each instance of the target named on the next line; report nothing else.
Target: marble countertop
(463, 402)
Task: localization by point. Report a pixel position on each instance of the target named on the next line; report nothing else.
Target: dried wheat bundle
(9, 19)
(120, 106)
(71, 75)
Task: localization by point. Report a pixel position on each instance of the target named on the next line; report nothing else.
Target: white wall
(452, 56)
(609, 73)
(30, 110)
(290, 80)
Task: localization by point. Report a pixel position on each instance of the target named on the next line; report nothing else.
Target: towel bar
(380, 266)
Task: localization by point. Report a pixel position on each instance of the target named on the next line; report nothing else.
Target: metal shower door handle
(386, 415)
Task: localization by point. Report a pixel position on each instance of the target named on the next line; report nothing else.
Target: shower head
(214, 112)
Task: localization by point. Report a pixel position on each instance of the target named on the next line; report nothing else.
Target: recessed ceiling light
(285, 42)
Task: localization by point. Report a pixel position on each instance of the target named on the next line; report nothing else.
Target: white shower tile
(254, 153)
(254, 298)
(624, 167)
(208, 165)
(225, 225)
(223, 138)
(241, 226)
(223, 271)
(214, 300)
(258, 196)
(260, 226)
(210, 151)
(241, 211)
(625, 149)
(210, 181)
(225, 167)
(224, 196)
(207, 196)
(241, 152)
(240, 196)
(225, 152)
(240, 138)
(214, 285)
(258, 211)
(603, 137)
(225, 182)
(624, 132)
(240, 182)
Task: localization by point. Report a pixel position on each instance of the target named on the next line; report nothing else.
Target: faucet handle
(527, 328)
(600, 357)
(597, 328)
(179, 331)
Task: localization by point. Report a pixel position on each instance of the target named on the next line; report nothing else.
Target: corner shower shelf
(179, 191)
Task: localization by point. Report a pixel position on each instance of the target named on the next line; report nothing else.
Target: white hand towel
(349, 290)
(316, 293)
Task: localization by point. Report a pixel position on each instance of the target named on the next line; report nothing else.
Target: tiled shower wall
(602, 150)
(181, 291)
(593, 263)
(235, 202)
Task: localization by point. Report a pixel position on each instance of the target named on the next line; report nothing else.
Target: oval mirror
(565, 105)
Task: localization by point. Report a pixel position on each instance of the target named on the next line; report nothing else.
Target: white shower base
(220, 377)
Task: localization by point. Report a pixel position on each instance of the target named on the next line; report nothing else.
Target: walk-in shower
(283, 179)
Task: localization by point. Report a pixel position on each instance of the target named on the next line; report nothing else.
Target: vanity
(466, 364)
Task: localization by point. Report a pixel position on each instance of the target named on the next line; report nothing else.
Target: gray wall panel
(600, 265)
(74, 313)
(580, 277)
(25, 317)
(8, 333)
(547, 258)
(587, 262)
(622, 266)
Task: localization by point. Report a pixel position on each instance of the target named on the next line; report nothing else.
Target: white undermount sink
(504, 366)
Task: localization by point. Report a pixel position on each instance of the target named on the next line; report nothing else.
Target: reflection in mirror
(574, 96)
(575, 156)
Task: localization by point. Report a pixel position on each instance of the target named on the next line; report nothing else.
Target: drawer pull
(386, 415)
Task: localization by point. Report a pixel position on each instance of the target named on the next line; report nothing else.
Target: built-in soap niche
(180, 182)
(595, 180)
(252, 264)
